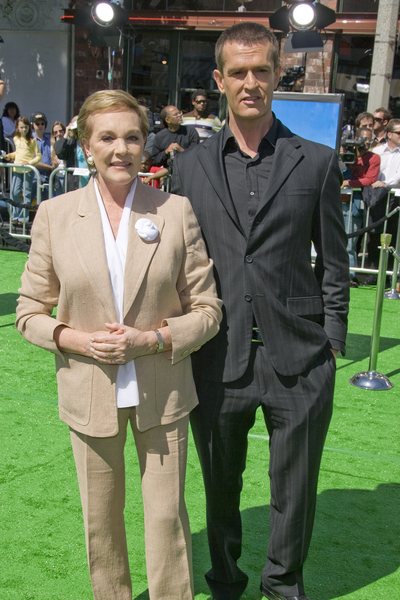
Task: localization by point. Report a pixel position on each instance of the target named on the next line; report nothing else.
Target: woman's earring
(90, 160)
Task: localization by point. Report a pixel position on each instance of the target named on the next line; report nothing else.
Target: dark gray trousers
(297, 411)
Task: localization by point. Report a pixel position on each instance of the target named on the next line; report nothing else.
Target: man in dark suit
(262, 195)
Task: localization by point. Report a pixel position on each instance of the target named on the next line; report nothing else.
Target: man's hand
(378, 184)
(345, 184)
(173, 146)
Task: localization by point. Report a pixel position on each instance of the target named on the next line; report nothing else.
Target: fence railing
(10, 203)
(390, 194)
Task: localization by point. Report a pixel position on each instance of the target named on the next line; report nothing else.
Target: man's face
(200, 104)
(366, 136)
(394, 137)
(248, 79)
(367, 122)
(174, 116)
(379, 122)
(39, 127)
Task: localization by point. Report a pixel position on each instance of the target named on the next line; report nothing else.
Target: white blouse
(127, 388)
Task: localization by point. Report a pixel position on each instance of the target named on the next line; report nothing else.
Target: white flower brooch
(146, 229)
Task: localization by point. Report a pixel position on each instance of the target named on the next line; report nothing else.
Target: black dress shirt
(248, 177)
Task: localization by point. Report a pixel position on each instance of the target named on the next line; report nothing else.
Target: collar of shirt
(229, 143)
(387, 150)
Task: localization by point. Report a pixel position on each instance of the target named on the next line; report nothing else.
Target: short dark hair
(361, 129)
(387, 115)
(164, 115)
(392, 124)
(199, 93)
(11, 105)
(247, 34)
(361, 116)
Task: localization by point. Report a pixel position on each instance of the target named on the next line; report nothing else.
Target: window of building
(166, 67)
(150, 68)
(358, 6)
(197, 68)
(354, 66)
(207, 5)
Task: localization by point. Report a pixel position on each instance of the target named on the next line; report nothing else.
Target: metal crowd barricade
(85, 172)
(166, 184)
(76, 171)
(5, 174)
(7, 200)
(362, 268)
(365, 237)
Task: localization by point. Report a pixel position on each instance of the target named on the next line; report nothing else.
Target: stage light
(109, 13)
(303, 20)
(302, 16)
(103, 14)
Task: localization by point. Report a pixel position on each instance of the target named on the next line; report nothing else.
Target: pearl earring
(90, 160)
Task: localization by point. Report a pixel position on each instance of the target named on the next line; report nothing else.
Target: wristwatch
(160, 341)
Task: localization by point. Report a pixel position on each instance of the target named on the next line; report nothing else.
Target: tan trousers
(162, 453)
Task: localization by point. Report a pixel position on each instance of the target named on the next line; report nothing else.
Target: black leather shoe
(276, 596)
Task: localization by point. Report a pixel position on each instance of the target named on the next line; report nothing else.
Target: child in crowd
(156, 173)
(26, 153)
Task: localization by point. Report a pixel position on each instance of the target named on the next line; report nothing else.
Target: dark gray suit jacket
(268, 274)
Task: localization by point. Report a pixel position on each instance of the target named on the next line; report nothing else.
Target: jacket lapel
(87, 231)
(288, 154)
(211, 159)
(139, 251)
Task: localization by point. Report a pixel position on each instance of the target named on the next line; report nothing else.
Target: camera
(348, 148)
(292, 74)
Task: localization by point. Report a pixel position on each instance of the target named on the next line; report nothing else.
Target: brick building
(167, 50)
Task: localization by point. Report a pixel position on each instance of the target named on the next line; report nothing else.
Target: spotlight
(109, 13)
(304, 18)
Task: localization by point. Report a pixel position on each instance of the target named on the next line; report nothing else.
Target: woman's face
(58, 132)
(12, 112)
(116, 146)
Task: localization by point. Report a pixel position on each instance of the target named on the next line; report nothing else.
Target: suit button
(248, 259)
(248, 298)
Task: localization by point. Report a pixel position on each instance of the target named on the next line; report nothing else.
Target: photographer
(358, 174)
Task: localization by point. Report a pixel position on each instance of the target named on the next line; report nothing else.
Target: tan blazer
(167, 281)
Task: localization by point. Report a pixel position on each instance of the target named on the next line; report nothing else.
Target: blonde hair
(104, 101)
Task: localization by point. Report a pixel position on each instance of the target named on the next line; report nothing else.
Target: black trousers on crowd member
(297, 411)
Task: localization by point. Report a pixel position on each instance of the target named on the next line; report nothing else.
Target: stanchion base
(371, 380)
(392, 295)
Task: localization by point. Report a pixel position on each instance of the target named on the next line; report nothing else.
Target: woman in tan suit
(128, 270)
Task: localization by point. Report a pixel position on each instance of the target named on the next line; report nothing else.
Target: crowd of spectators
(26, 142)
(170, 132)
(371, 173)
(368, 177)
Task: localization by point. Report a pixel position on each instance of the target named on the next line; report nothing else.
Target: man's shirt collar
(271, 137)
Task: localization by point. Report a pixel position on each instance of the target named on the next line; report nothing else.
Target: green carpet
(355, 551)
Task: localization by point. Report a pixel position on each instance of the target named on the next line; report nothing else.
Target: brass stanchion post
(371, 380)
(393, 294)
